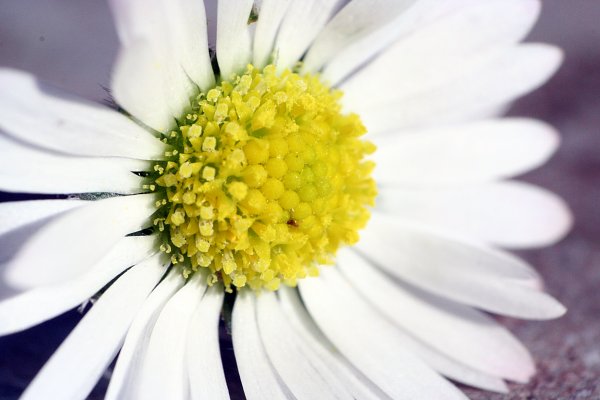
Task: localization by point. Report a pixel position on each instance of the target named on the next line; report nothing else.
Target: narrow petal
(370, 342)
(185, 23)
(355, 382)
(234, 43)
(359, 53)
(42, 116)
(20, 171)
(508, 214)
(159, 40)
(175, 27)
(137, 85)
(271, 14)
(357, 20)
(193, 39)
(70, 244)
(459, 92)
(457, 331)
(449, 367)
(460, 33)
(72, 371)
(6, 290)
(304, 373)
(301, 24)
(463, 271)
(205, 369)
(25, 310)
(125, 375)
(16, 214)
(11, 242)
(259, 379)
(458, 23)
(164, 373)
(462, 154)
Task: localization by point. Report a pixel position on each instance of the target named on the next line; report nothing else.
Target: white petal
(193, 41)
(271, 14)
(515, 19)
(370, 342)
(301, 24)
(164, 373)
(360, 52)
(42, 116)
(467, 153)
(458, 92)
(25, 169)
(259, 379)
(125, 376)
(436, 51)
(7, 291)
(12, 242)
(508, 214)
(137, 85)
(357, 20)
(174, 27)
(16, 214)
(307, 376)
(68, 245)
(449, 367)
(158, 43)
(457, 269)
(205, 369)
(43, 303)
(457, 331)
(355, 382)
(74, 368)
(184, 21)
(234, 42)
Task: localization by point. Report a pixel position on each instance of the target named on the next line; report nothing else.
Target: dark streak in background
(72, 44)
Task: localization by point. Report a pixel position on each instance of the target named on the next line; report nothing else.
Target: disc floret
(264, 181)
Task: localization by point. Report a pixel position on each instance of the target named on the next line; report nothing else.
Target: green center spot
(266, 179)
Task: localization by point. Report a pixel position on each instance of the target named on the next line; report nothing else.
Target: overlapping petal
(507, 214)
(58, 251)
(464, 154)
(26, 169)
(74, 368)
(42, 116)
(23, 310)
(458, 269)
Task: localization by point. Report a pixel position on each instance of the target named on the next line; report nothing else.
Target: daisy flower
(328, 177)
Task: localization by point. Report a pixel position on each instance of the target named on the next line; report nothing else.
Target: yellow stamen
(266, 179)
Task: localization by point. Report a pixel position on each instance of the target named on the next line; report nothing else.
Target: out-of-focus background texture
(72, 44)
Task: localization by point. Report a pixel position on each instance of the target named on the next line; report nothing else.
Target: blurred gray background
(72, 44)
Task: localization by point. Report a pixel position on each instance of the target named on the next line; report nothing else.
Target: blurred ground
(71, 43)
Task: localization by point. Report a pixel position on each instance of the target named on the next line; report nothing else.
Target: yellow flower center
(266, 179)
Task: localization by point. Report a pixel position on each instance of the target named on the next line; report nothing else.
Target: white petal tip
(523, 370)
(500, 387)
(554, 57)
(561, 224)
(558, 310)
(548, 308)
(559, 221)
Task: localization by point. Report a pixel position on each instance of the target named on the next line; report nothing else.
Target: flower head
(365, 134)
(264, 179)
